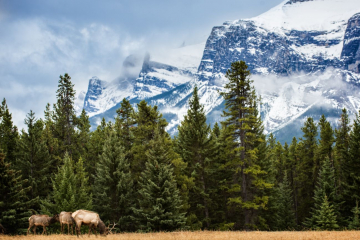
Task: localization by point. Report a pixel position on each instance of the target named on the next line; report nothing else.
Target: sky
(43, 39)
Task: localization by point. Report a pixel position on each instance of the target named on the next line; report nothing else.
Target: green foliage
(326, 219)
(34, 161)
(8, 133)
(159, 199)
(70, 189)
(355, 223)
(64, 116)
(246, 133)
(14, 203)
(286, 214)
(195, 146)
(113, 188)
(325, 187)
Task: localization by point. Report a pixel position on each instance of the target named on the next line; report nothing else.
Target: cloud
(34, 52)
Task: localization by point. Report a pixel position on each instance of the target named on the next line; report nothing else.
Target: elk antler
(112, 228)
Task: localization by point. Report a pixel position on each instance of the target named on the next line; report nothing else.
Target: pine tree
(342, 149)
(64, 115)
(196, 149)
(113, 188)
(307, 179)
(159, 199)
(34, 161)
(8, 134)
(69, 190)
(351, 166)
(147, 120)
(244, 122)
(286, 213)
(293, 174)
(326, 219)
(325, 187)
(14, 203)
(124, 122)
(355, 223)
(83, 136)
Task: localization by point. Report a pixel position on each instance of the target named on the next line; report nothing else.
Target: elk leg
(62, 227)
(35, 230)
(90, 226)
(72, 232)
(44, 230)
(68, 229)
(77, 228)
(29, 229)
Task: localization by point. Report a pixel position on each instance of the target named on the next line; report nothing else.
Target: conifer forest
(229, 176)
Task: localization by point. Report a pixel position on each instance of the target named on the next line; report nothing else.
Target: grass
(207, 235)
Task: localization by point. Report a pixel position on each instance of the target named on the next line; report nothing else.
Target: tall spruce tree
(244, 121)
(8, 133)
(326, 219)
(325, 187)
(159, 199)
(147, 120)
(69, 189)
(351, 184)
(286, 214)
(355, 222)
(196, 149)
(83, 135)
(14, 202)
(113, 188)
(64, 115)
(307, 179)
(34, 161)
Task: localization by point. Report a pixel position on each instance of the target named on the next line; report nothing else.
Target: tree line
(230, 176)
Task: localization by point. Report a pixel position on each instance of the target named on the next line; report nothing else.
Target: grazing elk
(41, 220)
(91, 219)
(66, 218)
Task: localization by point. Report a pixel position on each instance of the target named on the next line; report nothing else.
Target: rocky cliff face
(350, 53)
(304, 57)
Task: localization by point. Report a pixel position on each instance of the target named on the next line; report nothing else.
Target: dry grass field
(206, 235)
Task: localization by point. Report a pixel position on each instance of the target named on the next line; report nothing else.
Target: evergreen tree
(355, 223)
(147, 120)
(307, 179)
(64, 115)
(342, 149)
(293, 164)
(286, 213)
(124, 122)
(34, 161)
(244, 122)
(69, 190)
(326, 219)
(83, 136)
(196, 148)
(351, 184)
(14, 203)
(325, 187)
(159, 199)
(8, 133)
(113, 188)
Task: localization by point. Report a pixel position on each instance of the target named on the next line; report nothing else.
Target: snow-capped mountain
(304, 56)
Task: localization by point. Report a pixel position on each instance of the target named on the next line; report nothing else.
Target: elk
(91, 219)
(66, 218)
(41, 220)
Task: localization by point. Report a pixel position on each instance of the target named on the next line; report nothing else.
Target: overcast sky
(42, 39)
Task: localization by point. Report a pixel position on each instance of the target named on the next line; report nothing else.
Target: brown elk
(65, 218)
(41, 220)
(91, 219)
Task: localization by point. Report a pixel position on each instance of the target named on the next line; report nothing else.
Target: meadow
(207, 235)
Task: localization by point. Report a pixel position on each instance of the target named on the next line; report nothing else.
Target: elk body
(41, 220)
(89, 218)
(65, 218)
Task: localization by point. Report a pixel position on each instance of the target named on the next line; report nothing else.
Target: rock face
(304, 57)
(351, 51)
